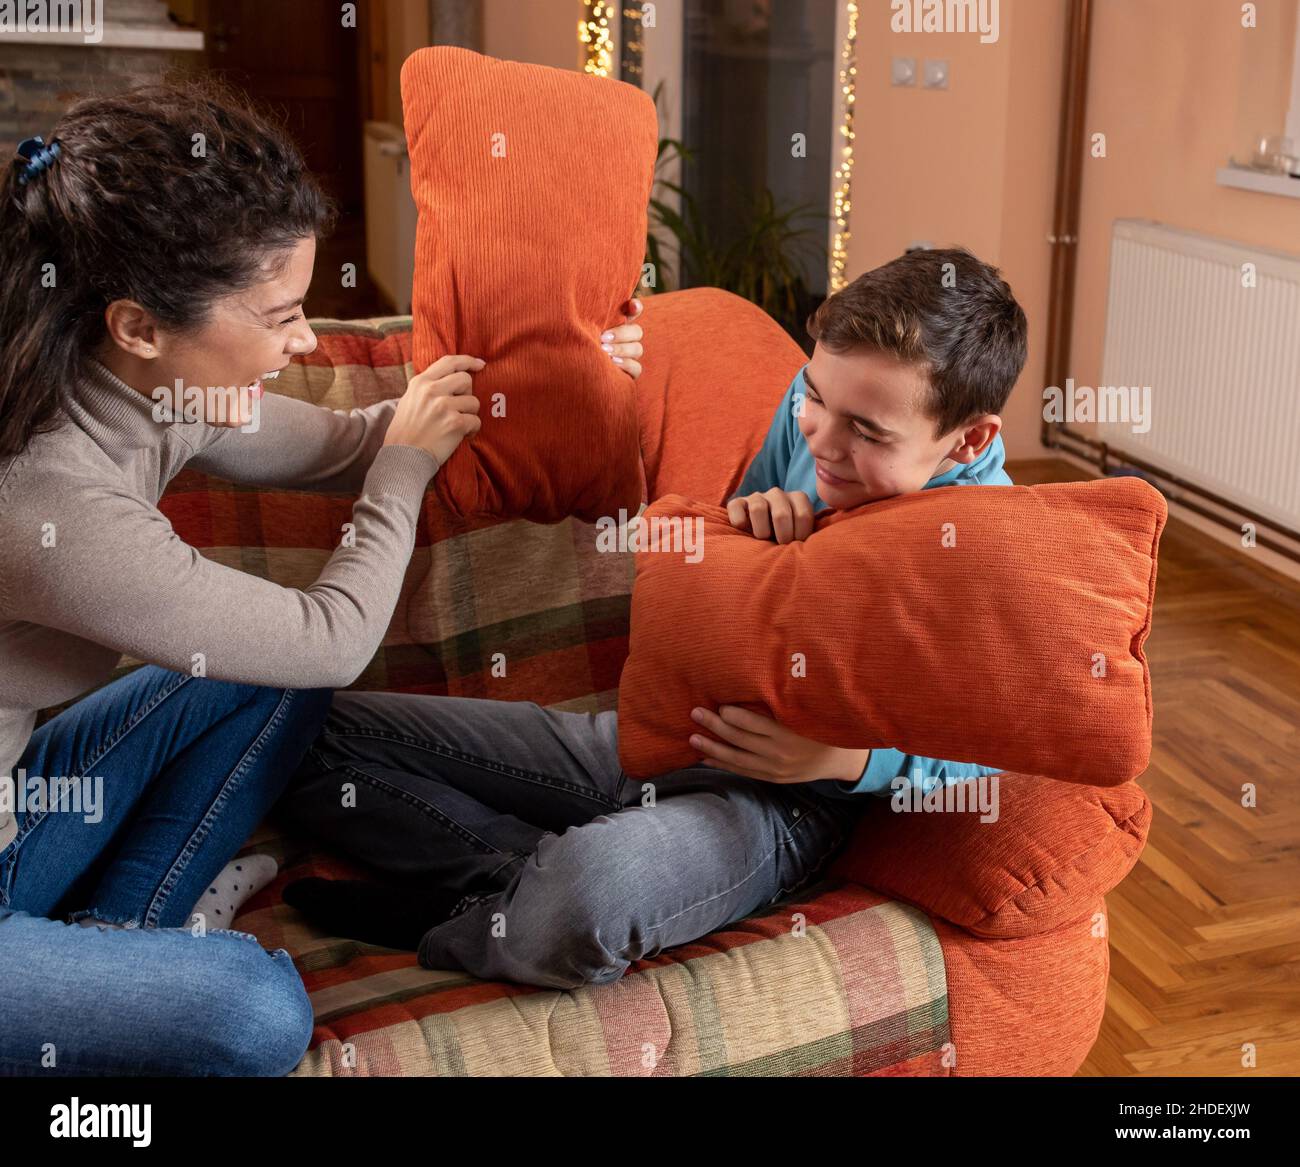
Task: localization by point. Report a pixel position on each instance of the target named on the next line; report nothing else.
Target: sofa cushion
(835, 981)
(531, 186)
(1047, 855)
(716, 369)
(1001, 625)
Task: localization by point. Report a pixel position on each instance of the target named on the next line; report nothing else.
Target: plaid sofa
(843, 980)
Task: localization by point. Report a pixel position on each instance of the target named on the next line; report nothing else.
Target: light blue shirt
(785, 461)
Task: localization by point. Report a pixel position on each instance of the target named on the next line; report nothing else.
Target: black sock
(393, 917)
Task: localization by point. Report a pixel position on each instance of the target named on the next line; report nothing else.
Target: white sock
(225, 895)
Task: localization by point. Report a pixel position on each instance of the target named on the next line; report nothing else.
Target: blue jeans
(570, 870)
(187, 768)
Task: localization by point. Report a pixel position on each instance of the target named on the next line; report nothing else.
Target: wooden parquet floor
(1205, 931)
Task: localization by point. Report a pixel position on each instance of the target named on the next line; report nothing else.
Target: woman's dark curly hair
(172, 195)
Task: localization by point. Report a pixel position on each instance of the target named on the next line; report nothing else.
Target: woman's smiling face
(252, 333)
(248, 336)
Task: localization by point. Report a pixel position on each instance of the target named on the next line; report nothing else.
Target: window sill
(114, 37)
(1243, 178)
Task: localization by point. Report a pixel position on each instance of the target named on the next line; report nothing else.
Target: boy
(537, 859)
(902, 394)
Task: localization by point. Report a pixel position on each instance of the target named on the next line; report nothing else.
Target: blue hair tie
(38, 157)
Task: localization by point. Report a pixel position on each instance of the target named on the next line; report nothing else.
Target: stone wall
(38, 82)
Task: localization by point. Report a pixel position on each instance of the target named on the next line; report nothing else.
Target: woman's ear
(132, 329)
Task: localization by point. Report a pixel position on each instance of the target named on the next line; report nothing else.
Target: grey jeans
(571, 870)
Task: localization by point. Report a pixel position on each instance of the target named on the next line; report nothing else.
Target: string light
(633, 54)
(594, 33)
(843, 180)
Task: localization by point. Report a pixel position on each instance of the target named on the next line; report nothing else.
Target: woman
(166, 238)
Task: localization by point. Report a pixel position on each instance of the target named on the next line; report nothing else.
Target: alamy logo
(922, 794)
(1128, 405)
(64, 794)
(102, 1120)
(980, 16)
(80, 16)
(223, 405)
(672, 533)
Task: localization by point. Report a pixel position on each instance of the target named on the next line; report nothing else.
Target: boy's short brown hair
(961, 322)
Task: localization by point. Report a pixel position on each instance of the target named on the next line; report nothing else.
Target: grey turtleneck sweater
(90, 569)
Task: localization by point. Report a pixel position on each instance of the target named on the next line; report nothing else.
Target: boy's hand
(783, 515)
(761, 748)
(623, 343)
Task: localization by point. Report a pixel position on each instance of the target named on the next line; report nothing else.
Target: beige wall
(541, 32)
(1033, 110)
(1177, 86)
(973, 165)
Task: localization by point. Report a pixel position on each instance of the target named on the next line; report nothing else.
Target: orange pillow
(531, 185)
(1001, 625)
(1053, 851)
(718, 369)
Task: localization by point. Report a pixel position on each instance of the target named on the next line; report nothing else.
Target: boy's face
(866, 424)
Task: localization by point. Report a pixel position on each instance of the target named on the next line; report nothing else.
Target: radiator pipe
(1172, 486)
(1069, 189)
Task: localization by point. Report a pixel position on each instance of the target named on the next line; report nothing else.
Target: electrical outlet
(902, 71)
(935, 75)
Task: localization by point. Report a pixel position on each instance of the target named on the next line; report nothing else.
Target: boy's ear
(974, 437)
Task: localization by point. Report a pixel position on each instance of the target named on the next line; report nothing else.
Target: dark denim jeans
(570, 870)
(187, 768)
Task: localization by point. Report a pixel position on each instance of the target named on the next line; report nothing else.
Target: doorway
(304, 64)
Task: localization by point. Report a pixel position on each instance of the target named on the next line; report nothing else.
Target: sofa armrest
(1054, 849)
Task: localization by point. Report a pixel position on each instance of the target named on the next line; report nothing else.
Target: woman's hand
(758, 747)
(783, 515)
(624, 342)
(438, 409)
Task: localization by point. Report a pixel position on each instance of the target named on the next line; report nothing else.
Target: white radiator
(390, 213)
(1222, 361)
